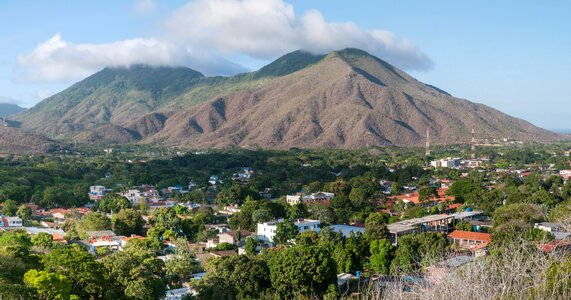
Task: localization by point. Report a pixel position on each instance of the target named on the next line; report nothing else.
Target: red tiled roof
(58, 238)
(469, 235)
(414, 197)
(552, 245)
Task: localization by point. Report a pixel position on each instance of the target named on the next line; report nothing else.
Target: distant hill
(16, 140)
(8, 109)
(346, 99)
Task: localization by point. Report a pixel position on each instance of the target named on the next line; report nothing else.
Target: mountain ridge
(345, 99)
(8, 109)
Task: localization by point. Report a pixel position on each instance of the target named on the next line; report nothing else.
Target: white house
(133, 195)
(104, 238)
(319, 197)
(446, 163)
(11, 222)
(213, 180)
(267, 231)
(96, 192)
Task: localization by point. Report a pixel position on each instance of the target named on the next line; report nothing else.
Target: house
(104, 238)
(566, 174)
(97, 192)
(11, 222)
(161, 204)
(434, 274)
(468, 215)
(469, 240)
(436, 223)
(171, 190)
(245, 174)
(558, 231)
(125, 240)
(230, 210)
(191, 185)
(132, 195)
(555, 245)
(446, 163)
(233, 237)
(432, 201)
(267, 231)
(319, 197)
(213, 180)
(58, 238)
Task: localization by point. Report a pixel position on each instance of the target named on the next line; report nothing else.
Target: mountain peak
(288, 63)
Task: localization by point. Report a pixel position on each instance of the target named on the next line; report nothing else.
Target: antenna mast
(427, 151)
(473, 155)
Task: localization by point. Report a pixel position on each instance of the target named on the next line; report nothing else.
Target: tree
(297, 211)
(10, 207)
(323, 213)
(234, 277)
(285, 231)
(417, 250)
(236, 194)
(59, 195)
(307, 238)
(128, 221)
(93, 221)
(301, 271)
(358, 197)
(24, 212)
(42, 239)
(74, 262)
(134, 275)
(463, 225)
(112, 203)
(251, 244)
(521, 215)
(395, 189)
(382, 252)
(376, 226)
(48, 285)
(261, 215)
(427, 192)
(183, 262)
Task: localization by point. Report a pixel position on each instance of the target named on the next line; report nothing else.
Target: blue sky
(511, 55)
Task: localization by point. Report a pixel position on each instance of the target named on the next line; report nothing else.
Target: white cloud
(144, 6)
(58, 60)
(269, 28)
(207, 34)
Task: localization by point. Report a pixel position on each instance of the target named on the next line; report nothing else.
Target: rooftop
(411, 224)
(100, 233)
(469, 235)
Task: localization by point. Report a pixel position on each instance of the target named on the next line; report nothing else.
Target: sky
(514, 56)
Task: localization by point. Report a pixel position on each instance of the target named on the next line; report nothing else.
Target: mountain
(16, 140)
(8, 109)
(110, 96)
(346, 99)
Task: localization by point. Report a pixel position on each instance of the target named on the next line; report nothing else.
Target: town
(378, 218)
